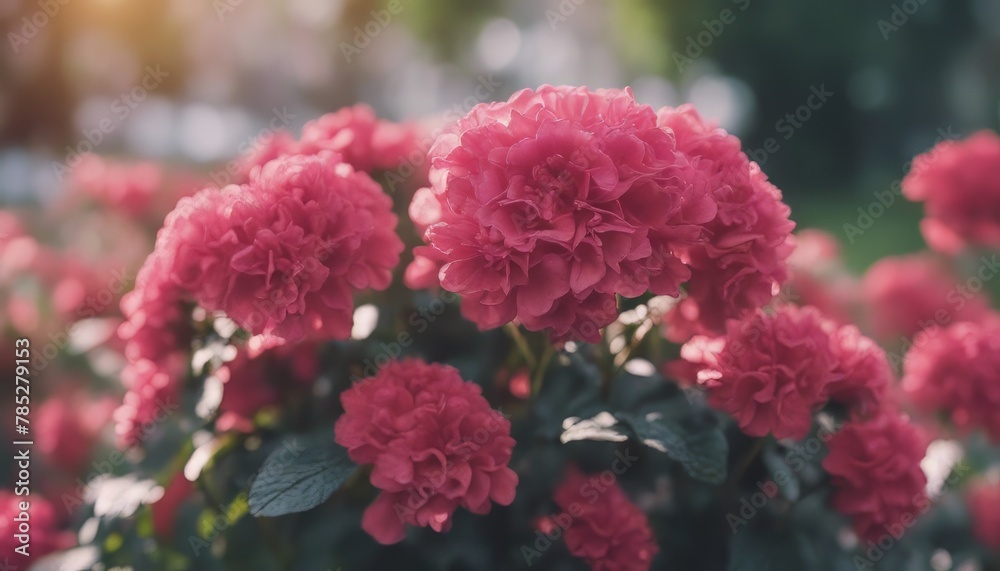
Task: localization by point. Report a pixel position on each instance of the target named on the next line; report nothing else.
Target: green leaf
(301, 474)
(700, 447)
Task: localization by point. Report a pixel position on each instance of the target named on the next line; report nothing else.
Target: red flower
(875, 470)
(605, 528)
(741, 262)
(550, 204)
(955, 371)
(959, 183)
(435, 444)
(983, 500)
(770, 372)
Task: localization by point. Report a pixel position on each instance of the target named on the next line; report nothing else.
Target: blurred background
(832, 98)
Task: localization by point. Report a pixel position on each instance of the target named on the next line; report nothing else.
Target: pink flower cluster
(740, 263)
(956, 373)
(362, 140)
(875, 470)
(959, 184)
(281, 255)
(435, 444)
(544, 208)
(772, 372)
(604, 528)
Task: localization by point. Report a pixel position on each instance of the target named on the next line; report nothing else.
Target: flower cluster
(772, 371)
(543, 208)
(959, 184)
(875, 470)
(956, 373)
(605, 528)
(435, 444)
(740, 263)
(281, 256)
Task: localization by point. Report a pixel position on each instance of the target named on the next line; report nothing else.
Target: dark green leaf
(700, 447)
(301, 474)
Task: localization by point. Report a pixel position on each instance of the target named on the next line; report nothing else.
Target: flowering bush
(594, 343)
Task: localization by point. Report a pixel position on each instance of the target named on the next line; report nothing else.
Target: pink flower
(356, 134)
(983, 501)
(959, 184)
(282, 256)
(68, 425)
(875, 470)
(286, 253)
(954, 370)
(45, 534)
(769, 372)
(905, 294)
(435, 444)
(366, 142)
(604, 527)
(550, 204)
(741, 263)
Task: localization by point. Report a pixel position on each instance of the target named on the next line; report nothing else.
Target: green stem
(522, 345)
(539, 376)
